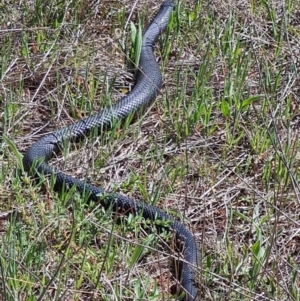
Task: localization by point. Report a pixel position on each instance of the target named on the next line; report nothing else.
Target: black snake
(148, 83)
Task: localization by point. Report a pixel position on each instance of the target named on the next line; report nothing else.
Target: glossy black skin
(148, 83)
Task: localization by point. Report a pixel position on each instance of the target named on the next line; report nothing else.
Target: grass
(218, 150)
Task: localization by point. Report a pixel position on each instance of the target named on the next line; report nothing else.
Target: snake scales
(148, 83)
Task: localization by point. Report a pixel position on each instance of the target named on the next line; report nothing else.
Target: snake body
(148, 83)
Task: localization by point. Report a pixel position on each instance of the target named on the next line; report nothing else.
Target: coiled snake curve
(148, 83)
